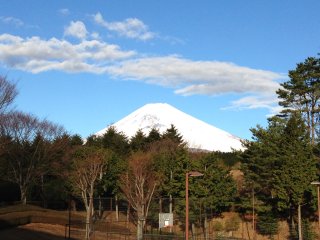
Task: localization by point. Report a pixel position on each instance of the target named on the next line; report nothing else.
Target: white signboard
(165, 220)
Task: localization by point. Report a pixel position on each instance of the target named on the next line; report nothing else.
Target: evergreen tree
(76, 140)
(153, 136)
(216, 187)
(260, 159)
(138, 142)
(171, 163)
(267, 224)
(119, 147)
(302, 94)
(173, 134)
(116, 141)
(296, 168)
(280, 165)
(212, 193)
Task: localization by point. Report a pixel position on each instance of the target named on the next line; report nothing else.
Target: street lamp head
(315, 183)
(195, 174)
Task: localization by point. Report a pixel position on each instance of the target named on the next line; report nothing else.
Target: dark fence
(114, 219)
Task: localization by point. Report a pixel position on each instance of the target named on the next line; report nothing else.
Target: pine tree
(297, 169)
(216, 187)
(280, 165)
(138, 142)
(116, 141)
(153, 136)
(302, 94)
(260, 158)
(173, 134)
(268, 224)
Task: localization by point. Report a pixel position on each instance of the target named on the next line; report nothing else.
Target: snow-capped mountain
(196, 133)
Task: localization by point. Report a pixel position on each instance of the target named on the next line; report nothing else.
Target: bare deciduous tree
(87, 166)
(138, 186)
(8, 92)
(29, 147)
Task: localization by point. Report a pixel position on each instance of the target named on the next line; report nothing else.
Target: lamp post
(189, 174)
(318, 193)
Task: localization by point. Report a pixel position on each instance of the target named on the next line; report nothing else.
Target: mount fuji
(196, 133)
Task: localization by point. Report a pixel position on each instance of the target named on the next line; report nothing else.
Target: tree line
(278, 163)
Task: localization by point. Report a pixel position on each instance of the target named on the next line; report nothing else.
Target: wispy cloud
(265, 100)
(130, 27)
(64, 11)
(95, 35)
(205, 78)
(76, 29)
(12, 21)
(38, 55)
(197, 77)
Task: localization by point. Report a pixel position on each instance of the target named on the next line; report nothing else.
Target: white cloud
(76, 29)
(130, 27)
(95, 35)
(198, 77)
(187, 77)
(12, 21)
(64, 11)
(267, 101)
(205, 78)
(38, 55)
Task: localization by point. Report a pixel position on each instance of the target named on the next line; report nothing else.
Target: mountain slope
(195, 132)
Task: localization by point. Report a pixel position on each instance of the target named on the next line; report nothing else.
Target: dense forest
(39, 160)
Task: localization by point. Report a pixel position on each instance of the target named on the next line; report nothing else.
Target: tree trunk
(160, 205)
(141, 219)
(253, 216)
(43, 196)
(23, 195)
(170, 209)
(299, 222)
(206, 235)
(117, 208)
(313, 126)
(100, 208)
(248, 232)
(88, 223)
(128, 215)
(89, 218)
(193, 231)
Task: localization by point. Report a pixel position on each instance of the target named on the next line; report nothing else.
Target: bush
(232, 224)
(307, 231)
(217, 226)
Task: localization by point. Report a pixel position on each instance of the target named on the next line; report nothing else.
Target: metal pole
(187, 206)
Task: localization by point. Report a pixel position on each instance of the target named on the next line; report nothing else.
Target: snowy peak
(195, 132)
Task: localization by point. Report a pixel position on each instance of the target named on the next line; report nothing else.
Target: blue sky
(87, 64)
